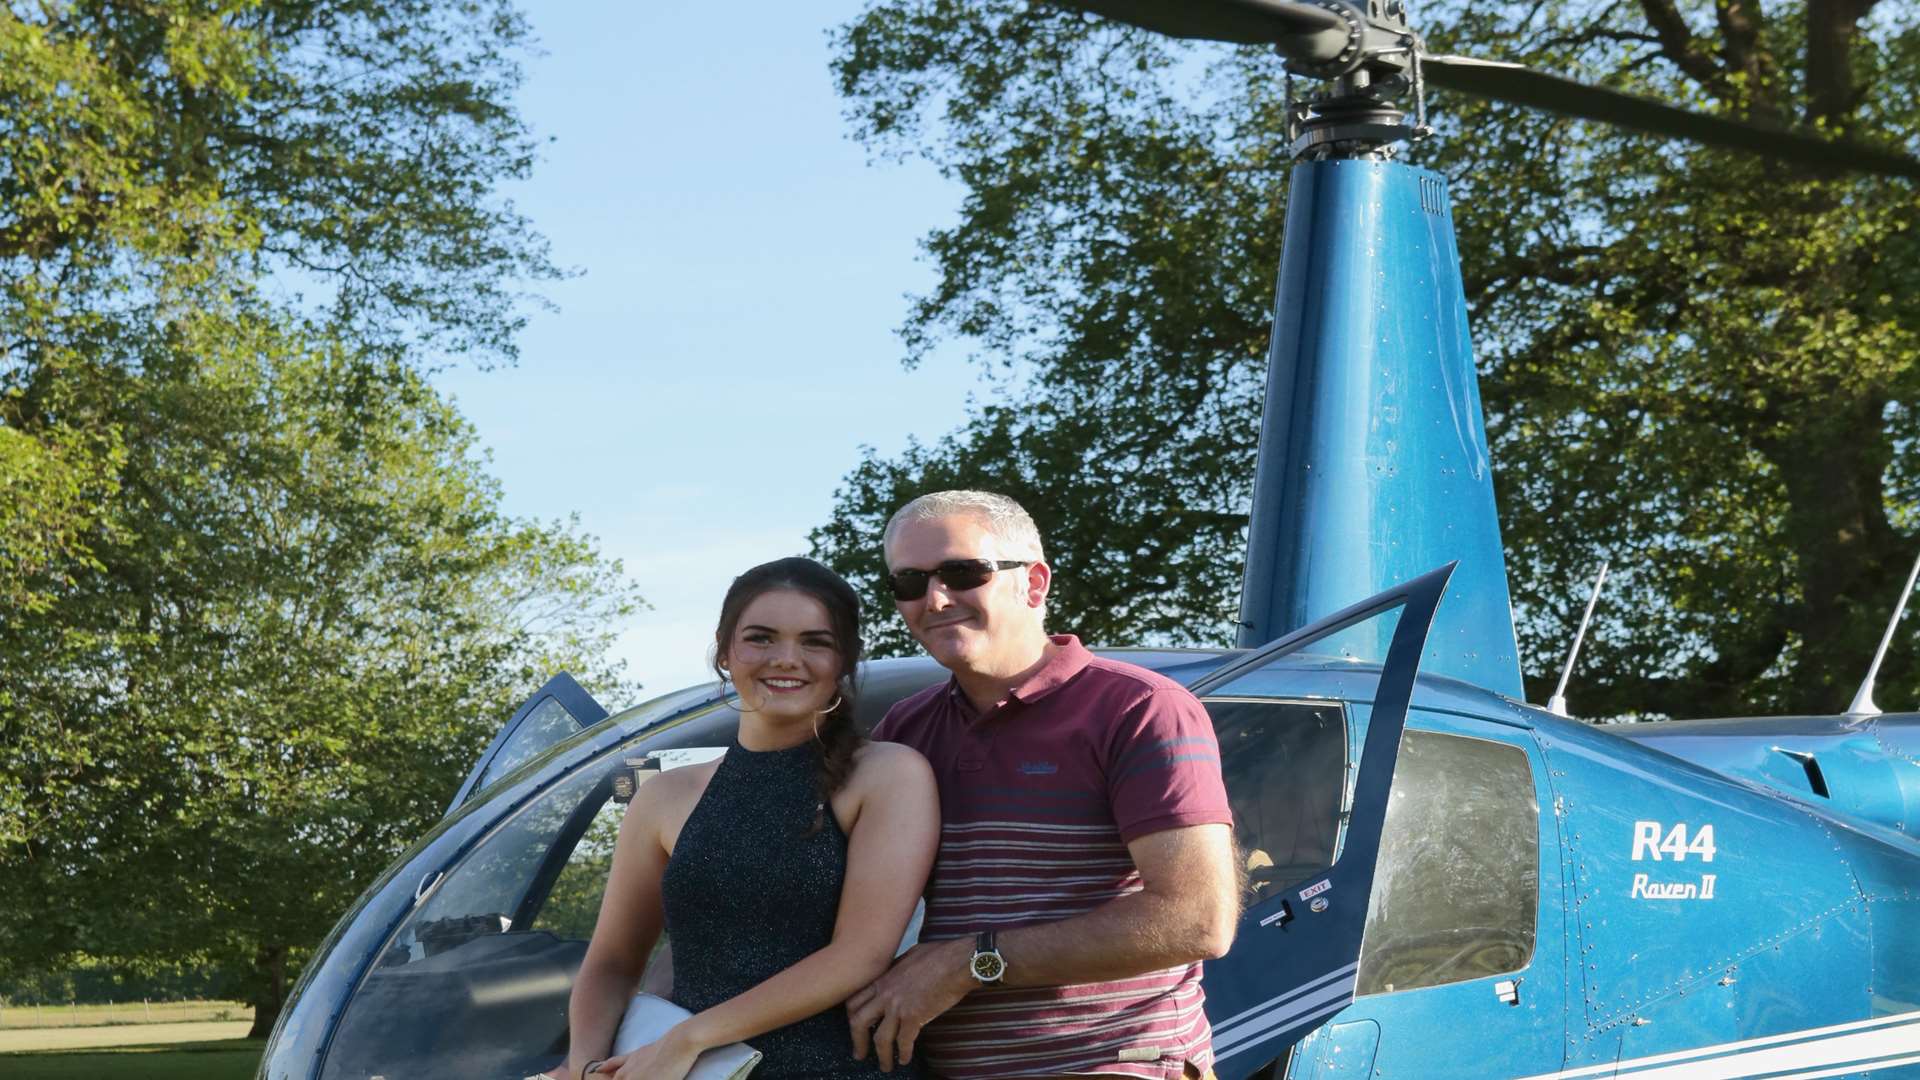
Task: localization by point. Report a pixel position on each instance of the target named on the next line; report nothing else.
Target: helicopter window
(572, 904)
(547, 724)
(1458, 879)
(1285, 765)
(475, 982)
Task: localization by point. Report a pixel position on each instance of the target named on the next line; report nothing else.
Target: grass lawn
(230, 1059)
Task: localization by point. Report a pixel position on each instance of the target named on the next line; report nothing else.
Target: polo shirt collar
(1068, 658)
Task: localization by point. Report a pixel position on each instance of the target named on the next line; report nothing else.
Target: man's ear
(1039, 581)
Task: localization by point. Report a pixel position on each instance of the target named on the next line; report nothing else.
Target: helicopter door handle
(1281, 917)
(1507, 990)
(427, 882)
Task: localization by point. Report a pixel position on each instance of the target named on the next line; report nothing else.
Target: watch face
(988, 966)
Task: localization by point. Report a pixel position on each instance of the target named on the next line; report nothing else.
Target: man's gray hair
(1003, 517)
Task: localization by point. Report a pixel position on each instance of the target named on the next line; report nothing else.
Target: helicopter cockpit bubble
(475, 980)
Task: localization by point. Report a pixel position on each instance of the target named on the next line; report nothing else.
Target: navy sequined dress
(749, 892)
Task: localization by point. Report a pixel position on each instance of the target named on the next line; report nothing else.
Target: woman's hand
(671, 1057)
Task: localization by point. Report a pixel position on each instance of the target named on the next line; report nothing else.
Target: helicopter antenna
(1557, 704)
(1863, 700)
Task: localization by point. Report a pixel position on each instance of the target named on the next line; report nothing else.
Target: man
(1085, 866)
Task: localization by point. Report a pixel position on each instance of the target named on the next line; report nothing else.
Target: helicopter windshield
(1288, 746)
(475, 981)
(487, 960)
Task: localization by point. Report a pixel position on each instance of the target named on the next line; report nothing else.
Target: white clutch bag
(649, 1017)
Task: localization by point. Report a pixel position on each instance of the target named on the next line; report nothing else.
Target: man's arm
(1185, 912)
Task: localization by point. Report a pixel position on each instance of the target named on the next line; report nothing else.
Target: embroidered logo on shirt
(1140, 1053)
(1039, 768)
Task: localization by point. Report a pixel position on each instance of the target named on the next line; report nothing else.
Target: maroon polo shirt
(1038, 799)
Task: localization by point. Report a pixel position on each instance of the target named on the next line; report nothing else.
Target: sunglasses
(957, 575)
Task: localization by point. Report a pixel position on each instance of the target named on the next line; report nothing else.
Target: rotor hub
(1369, 67)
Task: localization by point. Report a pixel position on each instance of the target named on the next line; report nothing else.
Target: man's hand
(930, 979)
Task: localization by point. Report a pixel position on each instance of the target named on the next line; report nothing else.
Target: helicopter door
(1464, 969)
(555, 711)
(1285, 715)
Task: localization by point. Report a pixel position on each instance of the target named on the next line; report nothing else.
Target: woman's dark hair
(837, 738)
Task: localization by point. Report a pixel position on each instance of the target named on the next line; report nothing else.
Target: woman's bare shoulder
(891, 762)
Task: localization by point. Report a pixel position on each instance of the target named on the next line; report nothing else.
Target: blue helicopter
(1442, 880)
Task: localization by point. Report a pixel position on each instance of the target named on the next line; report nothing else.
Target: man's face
(970, 630)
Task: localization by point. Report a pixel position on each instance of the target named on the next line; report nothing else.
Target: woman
(784, 873)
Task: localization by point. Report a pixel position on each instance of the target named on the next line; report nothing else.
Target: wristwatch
(987, 966)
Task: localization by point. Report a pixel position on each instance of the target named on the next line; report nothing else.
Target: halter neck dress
(750, 892)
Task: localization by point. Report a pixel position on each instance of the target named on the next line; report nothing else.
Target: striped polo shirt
(1038, 800)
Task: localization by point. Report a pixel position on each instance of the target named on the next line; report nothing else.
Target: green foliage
(1699, 364)
(90, 982)
(309, 617)
(262, 608)
(157, 149)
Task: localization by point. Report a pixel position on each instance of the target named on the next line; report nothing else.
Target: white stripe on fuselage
(1309, 1001)
(1856, 1047)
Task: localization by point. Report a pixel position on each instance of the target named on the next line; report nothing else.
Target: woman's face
(782, 657)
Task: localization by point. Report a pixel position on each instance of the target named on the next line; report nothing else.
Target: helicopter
(1441, 879)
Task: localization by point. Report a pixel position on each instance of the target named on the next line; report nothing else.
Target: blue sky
(729, 343)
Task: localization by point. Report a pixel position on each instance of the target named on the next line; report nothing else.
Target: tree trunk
(1834, 464)
(271, 993)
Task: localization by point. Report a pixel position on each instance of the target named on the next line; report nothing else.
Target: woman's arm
(890, 846)
(631, 917)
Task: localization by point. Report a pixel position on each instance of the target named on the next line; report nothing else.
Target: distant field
(229, 1059)
(32, 1040)
(15, 1017)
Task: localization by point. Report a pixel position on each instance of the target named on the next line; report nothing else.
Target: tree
(262, 608)
(1699, 356)
(310, 619)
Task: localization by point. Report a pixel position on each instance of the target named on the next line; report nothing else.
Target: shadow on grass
(227, 1059)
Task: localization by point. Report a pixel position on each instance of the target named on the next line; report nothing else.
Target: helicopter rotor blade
(1519, 85)
(1312, 31)
(1315, 34)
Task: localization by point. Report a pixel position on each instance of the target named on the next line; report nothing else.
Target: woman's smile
(783, 657)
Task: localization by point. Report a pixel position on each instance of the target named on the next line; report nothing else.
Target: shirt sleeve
(1164, 766)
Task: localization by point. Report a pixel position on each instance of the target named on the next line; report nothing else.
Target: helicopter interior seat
(1264, 876)
(1285, 768)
